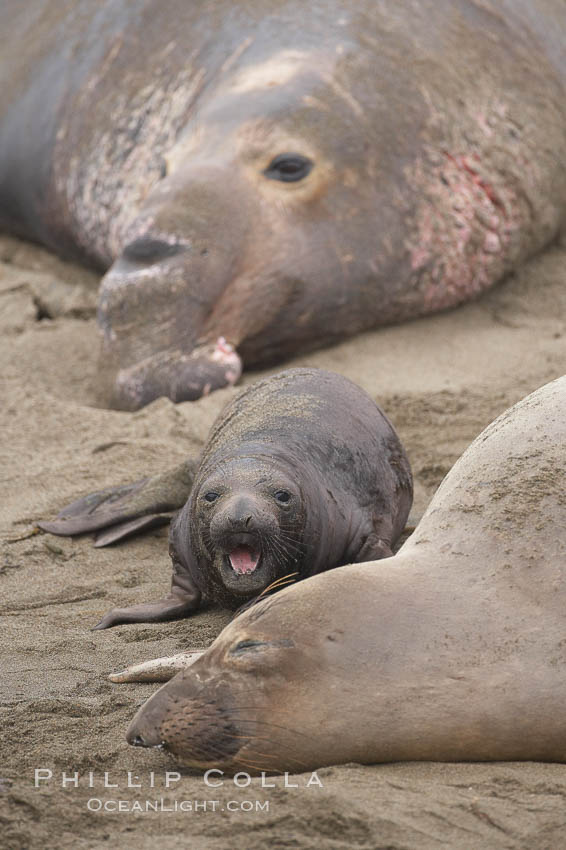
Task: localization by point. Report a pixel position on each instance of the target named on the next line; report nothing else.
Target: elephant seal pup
(280, 175)
(302, 472)
(454, 649)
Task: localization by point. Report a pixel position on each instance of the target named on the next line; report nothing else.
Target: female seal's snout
(144, 730)
(137, 740)
(187, 721)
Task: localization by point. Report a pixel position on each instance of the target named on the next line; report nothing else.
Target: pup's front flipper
(183, 599)
(127, 509)
(373, 549)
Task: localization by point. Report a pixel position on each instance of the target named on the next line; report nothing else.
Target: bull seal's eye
(288, 167)
(282, 496)
(211, 496)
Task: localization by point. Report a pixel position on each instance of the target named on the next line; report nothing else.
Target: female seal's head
(247, 524)
(232, 708)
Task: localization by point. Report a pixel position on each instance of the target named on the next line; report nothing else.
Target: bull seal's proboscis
(451, 650)
(302, 472)
(266, 177)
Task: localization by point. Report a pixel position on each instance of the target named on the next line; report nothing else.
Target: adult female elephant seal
(302, 472)
(454, 649)
(274, 176)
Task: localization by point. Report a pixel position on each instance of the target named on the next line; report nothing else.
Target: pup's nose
(240, 513)
(240, 521)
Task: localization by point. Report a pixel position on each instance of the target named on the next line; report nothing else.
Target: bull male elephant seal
(454, 649)
(262, 177)
(302, 472)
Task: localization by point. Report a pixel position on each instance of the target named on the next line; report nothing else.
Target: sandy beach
(440, 380)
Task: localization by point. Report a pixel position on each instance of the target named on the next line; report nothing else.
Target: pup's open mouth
(244, 559)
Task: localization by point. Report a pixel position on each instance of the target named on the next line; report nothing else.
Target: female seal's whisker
(292, 732)
(275, 760)
(280, 745)
(251, 766)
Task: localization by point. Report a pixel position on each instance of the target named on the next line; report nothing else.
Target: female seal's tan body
(455, 649)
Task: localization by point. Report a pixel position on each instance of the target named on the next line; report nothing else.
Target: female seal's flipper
(126, 509)
(158, 669)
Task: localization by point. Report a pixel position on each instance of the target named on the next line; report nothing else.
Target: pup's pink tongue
(243, 559)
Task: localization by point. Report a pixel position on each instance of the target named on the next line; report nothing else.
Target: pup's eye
(211, 496)
(244, 645)
(282, 496)
(288, 167)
